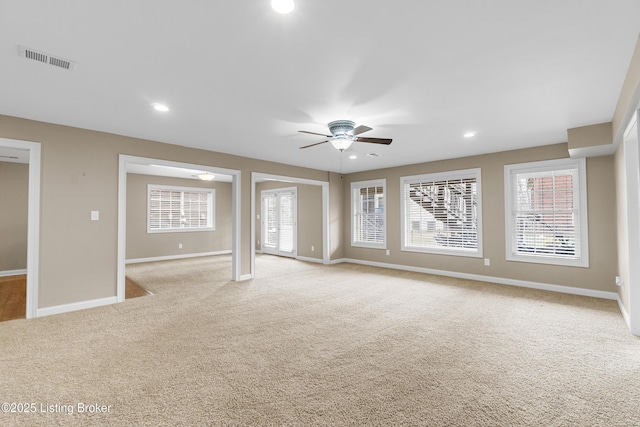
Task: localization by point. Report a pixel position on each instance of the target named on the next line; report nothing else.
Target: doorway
(29, 153)
(279, 221)
(126, 161)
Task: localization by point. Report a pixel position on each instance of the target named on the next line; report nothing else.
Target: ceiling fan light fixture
(344, 133)
(283, 6)
(341, 143)
(160, 107)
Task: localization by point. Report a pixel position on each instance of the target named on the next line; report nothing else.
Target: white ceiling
(242, 79)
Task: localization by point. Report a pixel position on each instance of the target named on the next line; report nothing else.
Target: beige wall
(309, 216)
(14, 189)
(628, 102)
(600, 176)
(80, 174)
(629, 96)
(141, 244)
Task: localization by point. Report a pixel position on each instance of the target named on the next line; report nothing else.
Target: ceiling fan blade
(385, 141)
(311, 145)
(313, 133)
(361, 129)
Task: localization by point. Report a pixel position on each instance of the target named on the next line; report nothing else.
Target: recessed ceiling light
(160, 107)
(283, 6)
(353, 156)
(469, 134)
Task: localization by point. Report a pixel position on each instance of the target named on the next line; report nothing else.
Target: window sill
(180, 230)
(453, 252)
(582, 263)
(369, 245)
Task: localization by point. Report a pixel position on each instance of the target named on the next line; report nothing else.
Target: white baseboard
(244, 277)
(491, 279)
(304, 258)
(8, 273)
(75, 306)
(623, 310)
(172, 257)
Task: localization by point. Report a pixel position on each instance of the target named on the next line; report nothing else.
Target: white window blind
(546, 212)
(270, 215)
(442, 213)
(180, 208)
(368, 214)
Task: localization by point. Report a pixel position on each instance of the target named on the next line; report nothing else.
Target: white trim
(124, 160)
(9, 273)
(546, 166)
(491, 279)
(625, 314)
(357, 185)
(631, 143)
(308, 259)
(326, 224)
(456, 174)
(255, 176)
(75, 306)
(172, 257)
(236, 234)
(245, 277)
(33, 221)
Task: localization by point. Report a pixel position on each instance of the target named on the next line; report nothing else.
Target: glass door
(279, 229)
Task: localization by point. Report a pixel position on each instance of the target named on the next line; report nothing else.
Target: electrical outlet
(388, 252)
(179, 245)
(313, 248)
(95, 215)
(619, 281)
(487, 262)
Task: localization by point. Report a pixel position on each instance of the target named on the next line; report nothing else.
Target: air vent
(46, 58)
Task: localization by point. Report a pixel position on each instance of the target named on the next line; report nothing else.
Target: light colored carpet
(306, 344)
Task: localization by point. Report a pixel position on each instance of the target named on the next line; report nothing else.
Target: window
(546, 212)
(441, 213)
(368, 214)
(179, 208)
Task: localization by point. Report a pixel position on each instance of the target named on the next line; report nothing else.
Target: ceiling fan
(344, 133)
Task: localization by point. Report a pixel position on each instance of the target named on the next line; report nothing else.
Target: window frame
(439, 176)
(210, 208)
(510, 173)
(356, 186)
